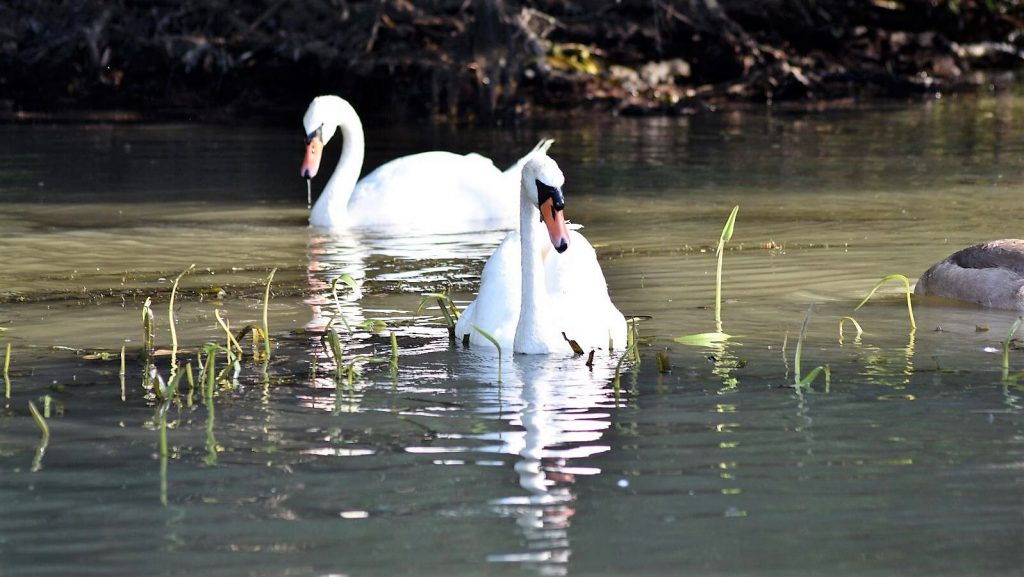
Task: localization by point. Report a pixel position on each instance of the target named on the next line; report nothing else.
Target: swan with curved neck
(430, 191)
(543, 284)
(990, 274)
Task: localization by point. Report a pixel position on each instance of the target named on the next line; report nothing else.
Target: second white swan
(430, 191)
(541, 287)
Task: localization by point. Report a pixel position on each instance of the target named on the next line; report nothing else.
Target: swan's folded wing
(496, 308)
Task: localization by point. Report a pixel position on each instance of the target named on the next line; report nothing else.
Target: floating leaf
(703, 339)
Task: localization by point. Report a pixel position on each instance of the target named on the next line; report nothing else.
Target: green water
(909, 461)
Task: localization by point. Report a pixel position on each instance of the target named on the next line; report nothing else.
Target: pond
(909, 459)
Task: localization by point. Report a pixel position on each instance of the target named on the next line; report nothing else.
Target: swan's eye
(546, 192)
(317, 134)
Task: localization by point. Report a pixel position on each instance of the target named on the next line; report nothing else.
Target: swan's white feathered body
(430, 191)
(540, 284)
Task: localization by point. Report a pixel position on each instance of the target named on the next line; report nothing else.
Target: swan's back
(434, 190)
(990, 274)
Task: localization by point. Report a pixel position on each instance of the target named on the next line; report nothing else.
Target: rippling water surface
(909, 460)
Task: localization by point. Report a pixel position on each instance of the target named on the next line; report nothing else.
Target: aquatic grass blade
(800, 345)
(394, 352)
(1006, 346)
(266, 307)
(44, 439)
(906, 284)
(856, 325)
(170, 317)
(7, 366)
(726, 236)
(494, 342)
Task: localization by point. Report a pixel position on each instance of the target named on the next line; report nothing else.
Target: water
(908, 462)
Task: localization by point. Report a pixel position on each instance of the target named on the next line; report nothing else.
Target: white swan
(990, 274)
(537, 286)
(436, 190)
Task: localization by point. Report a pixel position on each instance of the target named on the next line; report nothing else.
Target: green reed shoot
(336, 350)
(232, 343)
(121, 374)
(1006, 346)
(448, 309)
(44, 440)
(266, 306)
(44, 429)
(906, 284)
(632, 353)
(162, 419)
(494, 342)
(170, 317)
(7, 366)
(351, 283)
(724, 238)
(148, 330)
(394, 353)
(211, 442)
(799, 380)
(191, 382)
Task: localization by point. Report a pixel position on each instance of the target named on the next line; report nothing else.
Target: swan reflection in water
(560, 410)
(418, 262)
(557, 407)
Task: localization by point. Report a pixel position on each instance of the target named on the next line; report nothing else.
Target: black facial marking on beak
(562, 246)
(545, 192)
(317, 134)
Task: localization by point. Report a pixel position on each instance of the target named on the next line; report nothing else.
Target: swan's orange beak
(311, 163)
(552, 214)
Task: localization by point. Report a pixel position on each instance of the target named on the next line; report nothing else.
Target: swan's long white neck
(533, 308)
(335, 196)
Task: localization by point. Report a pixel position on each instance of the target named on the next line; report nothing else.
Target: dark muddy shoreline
(492, 60)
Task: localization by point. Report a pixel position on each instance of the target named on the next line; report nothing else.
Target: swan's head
(320, 123)
(542, 186)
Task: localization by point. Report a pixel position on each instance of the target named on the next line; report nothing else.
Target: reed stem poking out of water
(394, 353)
(147, 330)
(715, 338)
(121, 374)
(44, 440)
(1006, 346)
(726, 236)
(266, 306)
(807, 381)
(7, 366)
(170, 318)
